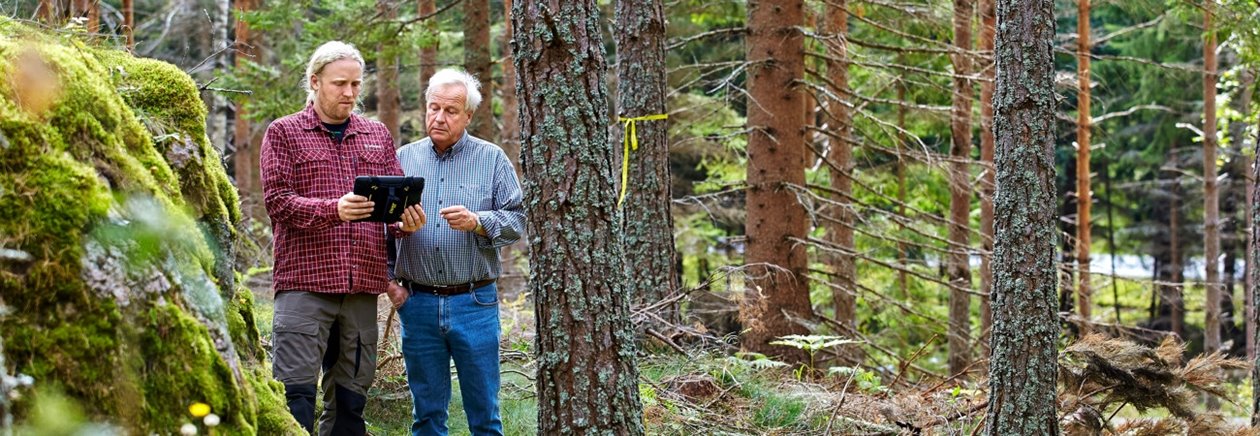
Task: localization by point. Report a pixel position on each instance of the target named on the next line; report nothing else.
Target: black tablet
(391, 194)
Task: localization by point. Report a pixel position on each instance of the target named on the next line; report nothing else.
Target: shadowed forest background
(811, 242)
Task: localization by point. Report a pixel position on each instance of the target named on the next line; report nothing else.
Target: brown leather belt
(414, 287)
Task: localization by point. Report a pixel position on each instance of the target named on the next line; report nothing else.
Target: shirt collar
(461, 144)
(309, 120)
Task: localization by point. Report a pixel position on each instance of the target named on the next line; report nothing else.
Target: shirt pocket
(315, 173)
(377, 160)
(475, 197)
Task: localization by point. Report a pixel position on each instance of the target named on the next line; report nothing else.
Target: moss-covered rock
(117, 221)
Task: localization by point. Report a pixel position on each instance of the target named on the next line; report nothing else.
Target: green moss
(181, 368)
(114, 190)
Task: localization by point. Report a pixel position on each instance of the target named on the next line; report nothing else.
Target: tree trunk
(44, 11)
(388, 100)
(1176, 292)
(94, 18)
(129, 24)
(958, 270)
(220, 107)
(510, 136)
(245, 159)
(1023, 368)
(1083, 195)
(1239, 171)
(1252, 269)
(903, 252)
(477, 63)
(648, 227)
(587, 381)
(1253, 286)
(1211, 215)
(988, 182)
(776, 158)
(840, 156)
(428, 55)
(510, 141)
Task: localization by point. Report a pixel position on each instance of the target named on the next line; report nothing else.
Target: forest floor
(708, 391)
(712, 390)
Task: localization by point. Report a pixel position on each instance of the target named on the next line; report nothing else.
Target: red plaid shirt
(303, 174)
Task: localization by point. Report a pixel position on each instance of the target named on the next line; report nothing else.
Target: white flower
(212, 420)
(188, 430)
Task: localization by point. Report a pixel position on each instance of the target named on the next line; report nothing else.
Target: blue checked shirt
(477, 175)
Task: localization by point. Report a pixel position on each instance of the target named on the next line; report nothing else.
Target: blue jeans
(436, 329)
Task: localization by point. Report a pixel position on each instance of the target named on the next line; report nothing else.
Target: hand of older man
(397, 294)
(460, 218)
(413, 218)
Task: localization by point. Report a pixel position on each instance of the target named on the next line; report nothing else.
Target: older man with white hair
(449, 267)
(328, 270)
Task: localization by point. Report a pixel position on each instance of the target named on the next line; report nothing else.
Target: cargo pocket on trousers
(295, 349)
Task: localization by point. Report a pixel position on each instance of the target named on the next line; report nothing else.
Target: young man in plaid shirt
(329, 271)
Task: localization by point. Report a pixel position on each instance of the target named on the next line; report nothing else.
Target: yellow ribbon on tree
(630, 141)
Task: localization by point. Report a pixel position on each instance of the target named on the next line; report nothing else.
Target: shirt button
(442, 180)
(440, 272)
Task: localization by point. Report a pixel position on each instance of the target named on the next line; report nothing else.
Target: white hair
(456, 76)
(331, 51)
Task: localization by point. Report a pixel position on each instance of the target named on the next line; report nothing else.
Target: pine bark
(775, 223)
(587, 382)
(388, 98)
(1083, 194)
(1023, 368)
(648, 227)
(1211, 199)
(840, 155)
(1253, 283)
(245, 163)
(129, 23)
(988, 182)
(958, 271)
(477, 63)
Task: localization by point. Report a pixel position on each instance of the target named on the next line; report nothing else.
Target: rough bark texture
(648, 227)
(1023, 368)
(1211, 206)
(1252, 262)
(1083, 194)
(477, 63)
(988, 181)
(388, 100)
(840, 154)
(776, 157)
(958, 271)
(1253, 287)
(587, 382)
(428, 54)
